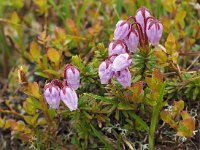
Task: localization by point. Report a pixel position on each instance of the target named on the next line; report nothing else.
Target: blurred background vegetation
(83, 29)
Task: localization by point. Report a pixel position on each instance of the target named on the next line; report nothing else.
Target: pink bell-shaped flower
(105, 72)
(121, 30)
(121, 62)
(154, 31)
(72, 76)
(117, 47)
(132, 40)
(52, 95)
(69, 97)
(141, 15)
(124, 77)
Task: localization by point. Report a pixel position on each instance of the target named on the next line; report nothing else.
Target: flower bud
(69, 97)
(117, 47)
(154, 31)
(112, 57)
(105, 72)
(57, 83)
(121, 30)
(72, 76)
(132, 40)
(124, 77)
(52, 95)
(121, 62)
(141, 15)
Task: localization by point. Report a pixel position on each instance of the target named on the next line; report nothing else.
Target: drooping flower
(141, 15)
(105, 71)
(124, 77)
(121, 62)
(52, 95)
(121, 30)
(72, 76)
(69, 97)
(57, 83)
(117, 47)
(132, 40)
(154, 31)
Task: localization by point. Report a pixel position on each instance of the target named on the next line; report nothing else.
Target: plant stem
(154, 119)
(11, 112)
(45, 110)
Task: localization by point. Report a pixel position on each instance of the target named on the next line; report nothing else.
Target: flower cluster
(127, 37)
(56, 90)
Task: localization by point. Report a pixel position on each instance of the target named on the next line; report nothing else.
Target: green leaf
(139, 120)
(42, 5)
(158, 8)
(107, 100)
(30, 109)
(15, 18)
(53, 55)
(35, 51)
(167, 118)
(53, 72)
(81, 11)
(2, 122)
(41, 121)
(170, 44)
(52, 113)
(125, 106)
(41, 74)
(33, 102)
(77, 61)
(178, 107)
(17, 3)
(31, 119)
(60, 34)
(101, 137)
(33, 89)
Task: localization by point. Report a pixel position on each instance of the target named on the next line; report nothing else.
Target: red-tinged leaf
(26, 137)
(137, 88)
(43, 38)
(186, 127)
(60, 34)
(157, 76)
(185, 115)
(72, 27)
(11, 123)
